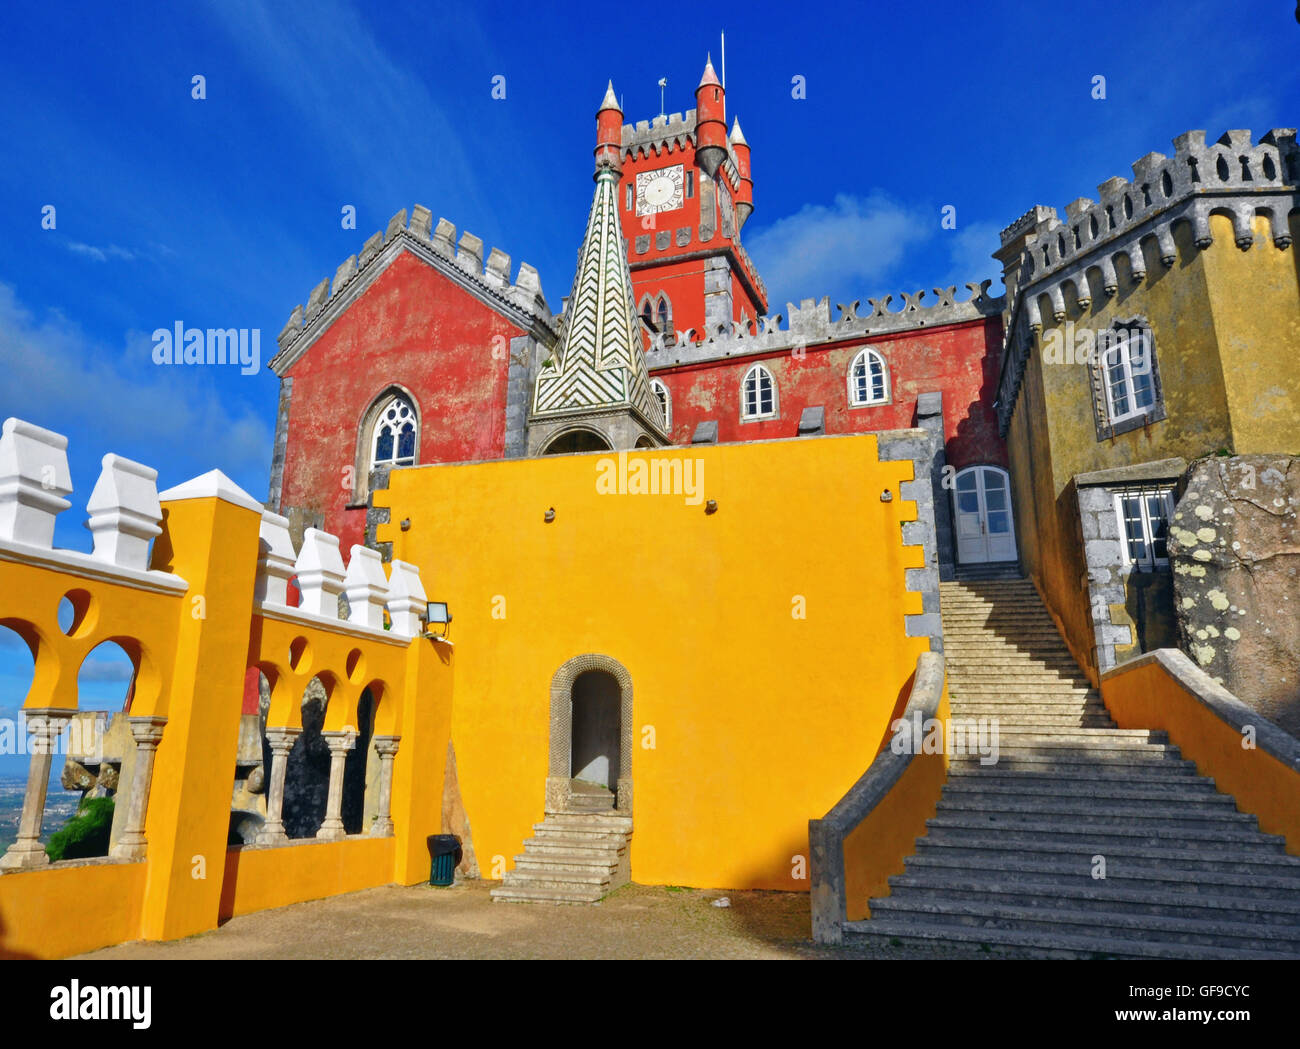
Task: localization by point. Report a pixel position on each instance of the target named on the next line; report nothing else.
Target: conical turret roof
(600, 364)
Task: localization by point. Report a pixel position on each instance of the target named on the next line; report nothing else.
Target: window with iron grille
(1144, 514)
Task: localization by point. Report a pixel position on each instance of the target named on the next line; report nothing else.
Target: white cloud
(58, 377)
(842, 249)
(98, 254)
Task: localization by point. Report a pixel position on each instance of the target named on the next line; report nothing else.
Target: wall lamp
(437, 615)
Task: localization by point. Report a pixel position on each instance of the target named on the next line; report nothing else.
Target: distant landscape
(59, 805)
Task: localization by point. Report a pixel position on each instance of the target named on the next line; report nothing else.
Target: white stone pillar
(386, 748)
(43, 727)
(339, 743)
(147, 733)
(281, 741)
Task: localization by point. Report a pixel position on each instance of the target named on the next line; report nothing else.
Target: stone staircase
(1008, 859)
(576, 856)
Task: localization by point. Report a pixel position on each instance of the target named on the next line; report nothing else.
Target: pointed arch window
(665, 314)
(395, 433)
(868, 379)
(665, 401)
(648, 313)
(758, 394)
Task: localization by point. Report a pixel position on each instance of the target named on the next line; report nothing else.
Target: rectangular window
(690, 184)
(1144, 525)
(1126, 364)
(628, 206)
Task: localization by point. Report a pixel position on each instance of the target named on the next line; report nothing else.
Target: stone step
(1008, 867)
(1096, 813)
(1081, 891)
(980, 790)
(1182, 773)
(1047, 943)
(1240, 857)
(1042, 722)
(1158, 928)
(582, 832)
(570, 819)
(569, 847)
(541, 894)
(560, 864)
(1160, 761)
(1217, 836)
(1099, 737)
(577, 881)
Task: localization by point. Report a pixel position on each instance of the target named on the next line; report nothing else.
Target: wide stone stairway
(573, 856)
(1010, 857)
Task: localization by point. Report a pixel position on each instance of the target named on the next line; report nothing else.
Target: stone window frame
(760, 416)
(867, 353)
(1165, 492)
(660, 390)
(1108, 427)
(559, 769)
(362, 461)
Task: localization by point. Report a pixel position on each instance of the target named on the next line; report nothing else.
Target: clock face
(659, 190)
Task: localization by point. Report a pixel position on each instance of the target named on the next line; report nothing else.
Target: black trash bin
(444, 854)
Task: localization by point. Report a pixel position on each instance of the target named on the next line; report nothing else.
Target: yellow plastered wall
(747, 720)
(255, 879)
(878, 847)
(67, 910)
(1144, 695)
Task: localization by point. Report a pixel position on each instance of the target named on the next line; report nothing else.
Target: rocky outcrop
(1234, 547)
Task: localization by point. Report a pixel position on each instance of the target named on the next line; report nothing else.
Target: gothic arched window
(758, 394)
(665, 401)
(394, 438)
(665, 314)
(868, 379)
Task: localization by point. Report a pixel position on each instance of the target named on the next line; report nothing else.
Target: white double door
(982, 515)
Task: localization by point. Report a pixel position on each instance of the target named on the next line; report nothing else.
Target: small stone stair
(573, 857)
(1008, 857)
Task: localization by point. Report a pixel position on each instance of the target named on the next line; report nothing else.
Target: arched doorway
(577, 441)
(982, 517)
(590, 762)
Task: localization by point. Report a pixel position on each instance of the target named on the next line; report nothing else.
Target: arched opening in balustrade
(307, 773)
(252, 761)
(360, 768)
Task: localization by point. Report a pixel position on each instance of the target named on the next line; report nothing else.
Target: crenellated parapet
(811, 322)
(1060, 260)
(651, 137)
(461, 260)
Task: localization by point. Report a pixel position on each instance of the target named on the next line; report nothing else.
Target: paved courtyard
(462, 922)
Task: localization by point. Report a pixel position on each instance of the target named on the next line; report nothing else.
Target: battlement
(663, 132)
(1231, 166)
(1074, 258)
(462, 259)
(811, 322)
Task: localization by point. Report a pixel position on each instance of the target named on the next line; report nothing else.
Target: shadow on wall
(9, 955)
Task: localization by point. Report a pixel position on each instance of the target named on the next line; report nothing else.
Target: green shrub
(85, 834)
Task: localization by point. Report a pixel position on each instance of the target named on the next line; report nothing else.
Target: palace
(1060, 523)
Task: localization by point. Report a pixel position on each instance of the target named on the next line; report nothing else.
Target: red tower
(686, 191)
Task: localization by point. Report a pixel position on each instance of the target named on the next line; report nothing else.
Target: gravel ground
(419, 921)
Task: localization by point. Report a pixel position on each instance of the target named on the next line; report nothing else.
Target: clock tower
(685, 192)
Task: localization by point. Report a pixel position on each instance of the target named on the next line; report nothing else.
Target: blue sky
(225, 212)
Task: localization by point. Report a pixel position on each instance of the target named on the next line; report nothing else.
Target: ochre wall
(960, 361)
(1144, 695)
(255, 879)
(415, 328)
(68, 910)
(1255, 296)
(1053, 435)
(760, 720)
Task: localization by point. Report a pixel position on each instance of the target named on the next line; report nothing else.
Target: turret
(710, 121)
(745, 192)
(609, 133)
